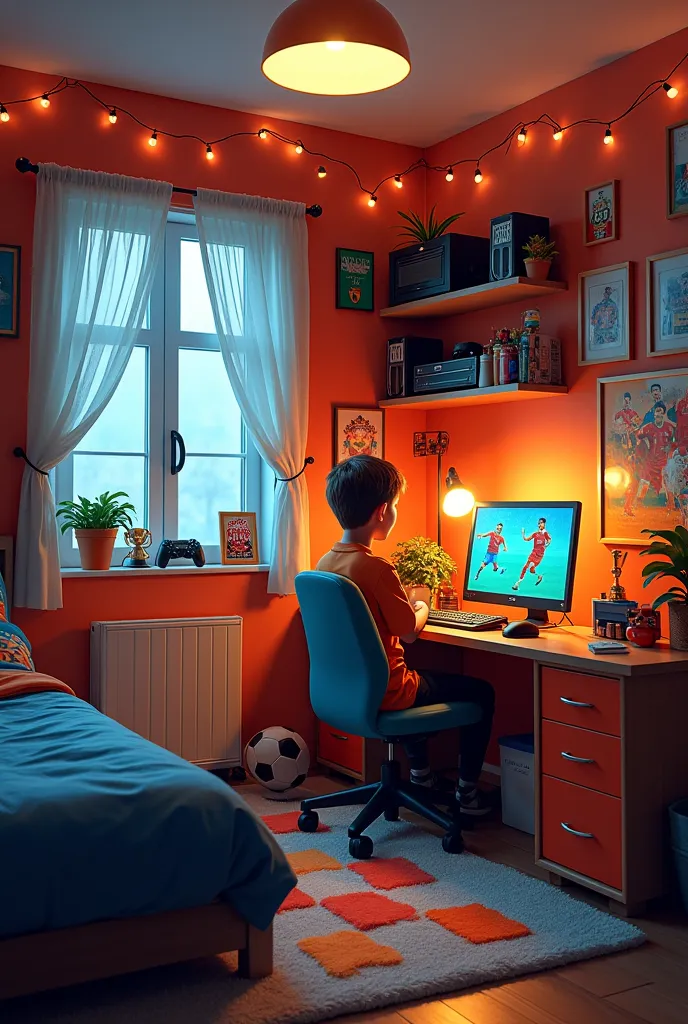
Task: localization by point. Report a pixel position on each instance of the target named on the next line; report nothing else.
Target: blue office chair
(348, 678)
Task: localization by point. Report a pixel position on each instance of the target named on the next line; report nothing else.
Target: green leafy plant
(105, 512)
(673, 548)
(417, 230)
(421, 562)
(537, 248)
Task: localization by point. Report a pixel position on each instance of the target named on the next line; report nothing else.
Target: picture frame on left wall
(10, 275)
(355, 279)
(238, 538)
(358, 431)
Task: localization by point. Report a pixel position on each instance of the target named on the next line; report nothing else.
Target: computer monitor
(523, 554)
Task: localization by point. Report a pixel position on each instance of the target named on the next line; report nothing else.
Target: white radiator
(175, 681)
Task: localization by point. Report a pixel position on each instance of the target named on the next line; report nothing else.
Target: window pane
(94, 474)
(195, 313)
(122, 425)
(209, 417)
(115, 273)
(207, 486)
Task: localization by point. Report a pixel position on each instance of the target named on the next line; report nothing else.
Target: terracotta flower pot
(678, 625)
(538, 270)
(415, 593)
(95, 547)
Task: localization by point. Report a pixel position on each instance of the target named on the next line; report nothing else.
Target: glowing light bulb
(153, 141)
(298, 148)
(44, 101)
(4, 116)
(478, 176)
(372, 201)
(670, 90)
(262, 134)
(397, 181)
(209, 155)
(608, 137)
(458, 502)
(335, 44)
(522, 135)
(449, 176)
(322, 171)
(112, 116)
(558, 134)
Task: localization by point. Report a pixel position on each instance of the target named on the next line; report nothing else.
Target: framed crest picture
(10, 258)
(355, 279)
(600, 219)
(667, 303)
(238, 538)
(643, 454)
(604, 314)
(677, 169)
(358, 432)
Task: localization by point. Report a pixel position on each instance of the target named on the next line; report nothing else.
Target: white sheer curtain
(97, 239)
(255, 256)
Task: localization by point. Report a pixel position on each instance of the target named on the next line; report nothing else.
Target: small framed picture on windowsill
(238, 538)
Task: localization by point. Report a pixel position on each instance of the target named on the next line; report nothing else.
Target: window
(175, 381)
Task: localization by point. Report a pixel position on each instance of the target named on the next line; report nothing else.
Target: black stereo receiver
(451, 375)
(443, 264)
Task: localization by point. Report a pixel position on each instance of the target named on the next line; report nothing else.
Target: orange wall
(347, 353)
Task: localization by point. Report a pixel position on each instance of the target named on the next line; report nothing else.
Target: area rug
(411, 923)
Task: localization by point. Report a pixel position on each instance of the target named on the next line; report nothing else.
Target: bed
(116, 854)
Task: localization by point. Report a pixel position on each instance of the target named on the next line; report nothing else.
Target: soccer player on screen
(495, 542)
(541, 541)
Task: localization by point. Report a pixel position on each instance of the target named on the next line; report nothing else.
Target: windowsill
(121, 572)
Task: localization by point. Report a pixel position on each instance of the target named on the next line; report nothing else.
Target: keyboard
(464, 620)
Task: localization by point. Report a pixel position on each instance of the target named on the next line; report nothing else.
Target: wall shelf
(476, 396)
(481, 296)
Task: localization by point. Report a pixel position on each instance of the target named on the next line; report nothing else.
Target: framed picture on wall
(238, 538)
(604, 314)
(667, 302)
(358, 431)
(643, 454)
(10, 265)
(354, 281)
(600, 217)
(6, 571)
(677, 169)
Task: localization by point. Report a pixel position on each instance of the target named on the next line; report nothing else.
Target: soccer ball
(277, 758)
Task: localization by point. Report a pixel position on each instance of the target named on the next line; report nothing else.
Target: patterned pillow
(4, 605)
(15, 649)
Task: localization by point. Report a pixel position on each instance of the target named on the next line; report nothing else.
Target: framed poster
(6, 571)
(677, 169)
(604, 314)
(667, 302)
(238, 538)
(600, 213)
(643, 454)
(358, 432)
(355, 279)
(10, 264)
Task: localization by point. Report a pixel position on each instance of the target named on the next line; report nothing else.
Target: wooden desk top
(567, 647)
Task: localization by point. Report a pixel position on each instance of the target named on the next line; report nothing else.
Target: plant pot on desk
(678, 625)
(416, 593)
(95, 548)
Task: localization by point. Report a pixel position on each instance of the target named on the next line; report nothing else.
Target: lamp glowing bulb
(449, 176)
(372, 201)
(608, 137)
(209, 155)
(153, 141)
(397, 181)
(4, 116)
(335, 44)
(458, 501)
(522, 135)
(262, 134)
(44, 101)
(670, 90)
(558, 134)
(322, 171)
(112, 116)
(298, 148)
(478, 176)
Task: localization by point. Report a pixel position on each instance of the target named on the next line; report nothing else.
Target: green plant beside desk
(674, 549)
(423, 566)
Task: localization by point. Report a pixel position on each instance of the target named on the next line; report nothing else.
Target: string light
(670, 90)
(298, 148)
(322, 171)
(372, 201)
(397, 181)
(4, 116)
(262, 134)
(558, 134)
(44, 101)
(209, 155)
(153, 141)
(449, 176)
(522, 135)
(112, 116)
(478, 176)
(608, 137)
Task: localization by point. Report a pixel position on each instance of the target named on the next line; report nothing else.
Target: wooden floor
(645, 984)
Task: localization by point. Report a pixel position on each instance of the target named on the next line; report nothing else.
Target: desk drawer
(590, 759)
(340, 748)
(597, 852)
(574, 698)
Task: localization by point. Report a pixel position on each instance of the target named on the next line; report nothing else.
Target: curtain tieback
(19, 453)
(308, 461)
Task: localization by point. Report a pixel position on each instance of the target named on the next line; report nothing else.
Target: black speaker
(403, 354)
(508, 234)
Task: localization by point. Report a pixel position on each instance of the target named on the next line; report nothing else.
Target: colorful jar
(531, 320)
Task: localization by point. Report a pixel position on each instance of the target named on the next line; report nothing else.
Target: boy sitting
(363, 492)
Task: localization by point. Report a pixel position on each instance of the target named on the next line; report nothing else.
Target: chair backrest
(349, 669)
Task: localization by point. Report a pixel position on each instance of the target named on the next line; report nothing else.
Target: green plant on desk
(421, 562)
(673, 549)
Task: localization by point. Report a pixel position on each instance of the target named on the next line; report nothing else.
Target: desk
(611, 752)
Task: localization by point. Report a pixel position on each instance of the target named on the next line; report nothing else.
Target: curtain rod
(23, 165)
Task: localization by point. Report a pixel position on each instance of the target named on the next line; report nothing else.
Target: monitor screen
(523, 554)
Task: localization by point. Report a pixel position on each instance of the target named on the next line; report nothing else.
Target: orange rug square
(312, 860)
(391, 872)
(342, 954)
(478, 924)
(366, 910)
(281, 824)
(297, 900)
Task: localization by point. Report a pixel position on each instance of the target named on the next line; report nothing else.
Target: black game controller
(180, 549)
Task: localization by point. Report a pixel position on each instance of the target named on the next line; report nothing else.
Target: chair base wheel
(392, 814)
(452, 842)
(308, 821)
(361, 847)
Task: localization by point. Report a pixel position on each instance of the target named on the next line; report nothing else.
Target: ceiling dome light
(336, 49)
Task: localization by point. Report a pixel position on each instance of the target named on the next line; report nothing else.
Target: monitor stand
(538, 617)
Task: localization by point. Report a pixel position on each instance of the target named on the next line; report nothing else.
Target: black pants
(440, 687)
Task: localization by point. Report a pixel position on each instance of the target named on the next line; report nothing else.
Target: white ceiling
(470, 58)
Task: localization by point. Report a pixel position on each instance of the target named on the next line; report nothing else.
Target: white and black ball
(277, 758)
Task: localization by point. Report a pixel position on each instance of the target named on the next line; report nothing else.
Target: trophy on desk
(140, 539)
(616, 591)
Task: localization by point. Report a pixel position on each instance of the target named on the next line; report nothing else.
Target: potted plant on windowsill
(96, 524)
(674, 548)
(539, 255)
(423, 566)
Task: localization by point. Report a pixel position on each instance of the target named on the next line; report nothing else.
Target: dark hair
(359, 485)
(653, 386)
(627, 394)
(659, 405)
(542, 520)
(500, 524)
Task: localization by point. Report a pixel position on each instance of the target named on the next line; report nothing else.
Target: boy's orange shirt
(377, 580)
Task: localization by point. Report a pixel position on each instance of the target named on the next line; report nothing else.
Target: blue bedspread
(96, 822)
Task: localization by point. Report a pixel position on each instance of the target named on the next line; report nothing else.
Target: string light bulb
(608, 137)
(4, 116)
(44, 101)
(670, 90)
(209, 155)
(397, 181)
(153, 141)
(522, 135)
(478, 176)
(557, 134)
(449, 176)
(322, 171)
(372, 201)
(298, 148)
(112, 116)
(262, 134)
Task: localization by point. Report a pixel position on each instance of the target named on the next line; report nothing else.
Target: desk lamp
(458, 500)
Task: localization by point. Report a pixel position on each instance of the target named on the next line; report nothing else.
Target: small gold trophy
(617, 592)
(140, 539)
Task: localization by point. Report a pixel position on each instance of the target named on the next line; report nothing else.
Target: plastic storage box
(517, 756)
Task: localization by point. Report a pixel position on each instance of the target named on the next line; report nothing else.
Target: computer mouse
(520, 629)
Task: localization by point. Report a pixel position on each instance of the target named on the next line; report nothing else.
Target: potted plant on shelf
(674, 549)
(422, 566)
(539, 256)
(95, 524)
(420, 231)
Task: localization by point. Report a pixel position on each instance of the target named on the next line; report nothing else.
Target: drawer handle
(338, 736)
(576, 703)
(578, 760)
(575, 832)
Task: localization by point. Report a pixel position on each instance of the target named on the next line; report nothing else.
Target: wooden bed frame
(68, 956)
